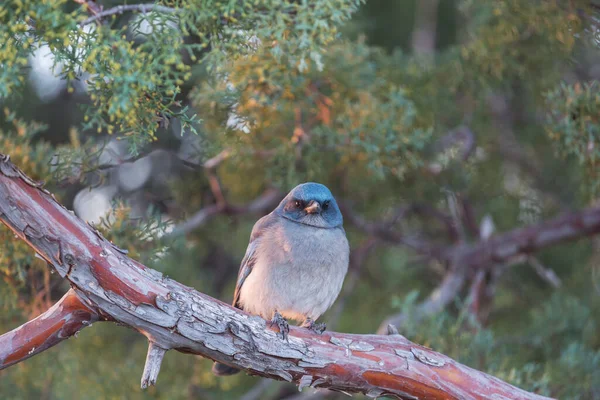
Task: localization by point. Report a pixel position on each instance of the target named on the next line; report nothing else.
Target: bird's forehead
(311, 191)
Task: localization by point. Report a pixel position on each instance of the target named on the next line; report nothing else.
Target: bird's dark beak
(313, 207)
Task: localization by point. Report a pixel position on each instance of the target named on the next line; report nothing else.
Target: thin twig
(383, 231)
(261, 204)
(545, 273)
(92, 7)
(461, 137)
(476, 295)
(213, 179)
(214, 162)
(141, 8)
(215, 187)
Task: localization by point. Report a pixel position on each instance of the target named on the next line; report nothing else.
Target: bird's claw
(282, 324)
(313, 326)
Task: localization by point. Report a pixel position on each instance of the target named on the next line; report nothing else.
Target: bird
(295, 263)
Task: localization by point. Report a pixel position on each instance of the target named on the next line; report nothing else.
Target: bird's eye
(299, 204)
(325, 205)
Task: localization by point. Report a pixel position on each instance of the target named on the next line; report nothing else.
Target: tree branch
(261, 204)
(174, 316)
(498, 250)
(504, 247)
(63, 320)
(266, 201)
(545, 273)
(384, 231)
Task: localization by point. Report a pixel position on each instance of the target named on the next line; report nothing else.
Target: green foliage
(16, 259)
(18, 137)
(326, 90)
(133, 72)
(558, 330)
(141, 238)
(364, 122)
(77, 163)
(510, 39)
(574, 124)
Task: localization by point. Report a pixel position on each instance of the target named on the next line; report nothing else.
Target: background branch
(262, 204)
(498, 250)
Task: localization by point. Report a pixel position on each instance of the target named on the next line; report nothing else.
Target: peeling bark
(174, 316)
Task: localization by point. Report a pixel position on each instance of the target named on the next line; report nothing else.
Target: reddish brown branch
(174, 316)
(68, 316)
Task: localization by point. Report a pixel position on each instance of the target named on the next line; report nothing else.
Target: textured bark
(67, 317)
(174, 316)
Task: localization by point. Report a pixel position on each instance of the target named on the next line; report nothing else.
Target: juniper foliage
(335, 91)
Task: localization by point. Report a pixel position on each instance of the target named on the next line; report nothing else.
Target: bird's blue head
(311, 204)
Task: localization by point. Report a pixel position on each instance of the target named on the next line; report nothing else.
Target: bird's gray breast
(299, 271)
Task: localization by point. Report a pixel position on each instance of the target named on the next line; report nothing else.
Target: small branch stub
(392, 330)
(152, 366)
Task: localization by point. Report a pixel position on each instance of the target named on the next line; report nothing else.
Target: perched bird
(295, 263)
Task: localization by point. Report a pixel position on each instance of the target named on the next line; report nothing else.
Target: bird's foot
(313, 326)
(282, 324)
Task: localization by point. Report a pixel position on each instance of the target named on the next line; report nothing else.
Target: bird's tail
(223, 369)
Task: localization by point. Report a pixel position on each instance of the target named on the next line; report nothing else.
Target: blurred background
(436, 124)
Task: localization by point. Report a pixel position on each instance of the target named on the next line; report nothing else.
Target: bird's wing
(250, 257)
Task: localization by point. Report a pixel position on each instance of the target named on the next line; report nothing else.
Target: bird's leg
(313, 326)
(281, 323)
